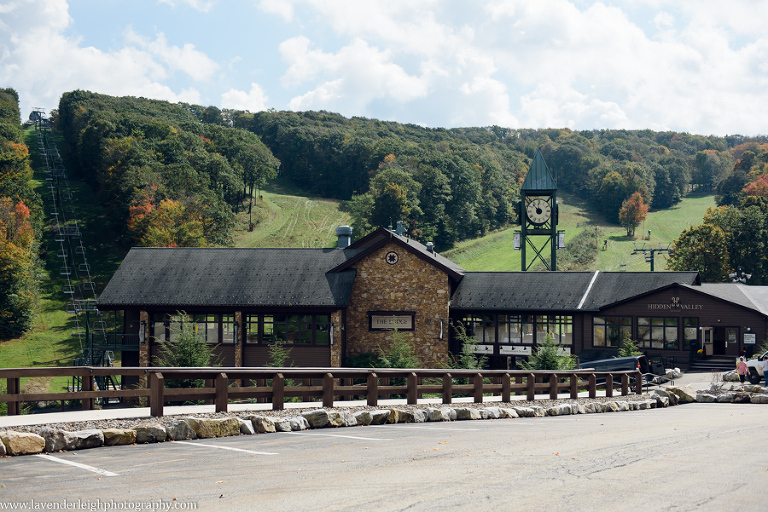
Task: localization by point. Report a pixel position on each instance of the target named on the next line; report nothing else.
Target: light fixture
(331, 333)
(235, 332)
(142, 334)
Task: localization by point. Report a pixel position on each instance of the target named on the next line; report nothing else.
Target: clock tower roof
(539, 177)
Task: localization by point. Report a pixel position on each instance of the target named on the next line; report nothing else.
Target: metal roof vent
(430, 247)
(345, 236)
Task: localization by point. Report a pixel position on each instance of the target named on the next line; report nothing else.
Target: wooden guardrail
(275, 385)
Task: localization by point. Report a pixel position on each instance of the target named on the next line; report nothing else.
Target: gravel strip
(168, 420)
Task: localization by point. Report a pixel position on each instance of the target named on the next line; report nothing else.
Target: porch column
(239, 342)
(144, 345)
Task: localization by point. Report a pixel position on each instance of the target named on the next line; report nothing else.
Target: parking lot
(691, 457)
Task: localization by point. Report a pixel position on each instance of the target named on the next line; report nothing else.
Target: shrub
(547, 357)
(188, 350)
(467, 357)
(628, 347)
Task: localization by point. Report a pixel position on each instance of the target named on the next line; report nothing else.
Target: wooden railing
(275, 385)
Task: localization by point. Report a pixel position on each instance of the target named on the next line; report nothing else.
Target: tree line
(164, 177)
(20, 224)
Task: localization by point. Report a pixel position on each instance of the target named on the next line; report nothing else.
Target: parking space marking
(414, 427)
(225, 448)
(338, 435)
(76, 464)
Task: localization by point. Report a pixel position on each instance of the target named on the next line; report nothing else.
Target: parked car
(755, 367)
(617, 364)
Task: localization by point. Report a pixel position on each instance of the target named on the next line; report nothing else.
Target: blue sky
(699, 66)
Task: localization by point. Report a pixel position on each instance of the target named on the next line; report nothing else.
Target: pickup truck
(755, 367)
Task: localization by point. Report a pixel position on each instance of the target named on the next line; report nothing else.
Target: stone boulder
(490, 413)
(593, 407)
(467, 413)
(246, 427)
(363, 418)
(759, 399)
(214, 427)
(317, 418)
(379, 416)
(348, 419)
(119, 436)
(57, 440)
(705, 398)
(725, 398)
(282, 425)
(22, 443)
(741, 397)
(394, 415)
(91, 438)
(298, 423)
(152, 433)
(524, 412)
(179, 430)
(753, 388)
(685, 394)
(509, 413)
(412, 416)
(262, 424)
(2, 449)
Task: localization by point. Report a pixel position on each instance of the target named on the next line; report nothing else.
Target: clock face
(539, 211)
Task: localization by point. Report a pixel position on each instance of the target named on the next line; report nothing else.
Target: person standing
(765, 370)
(741, 369)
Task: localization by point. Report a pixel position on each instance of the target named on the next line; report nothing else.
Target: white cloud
(198, 5)
(282, 8)
(186, 58)
(254, 100)
(349, 79)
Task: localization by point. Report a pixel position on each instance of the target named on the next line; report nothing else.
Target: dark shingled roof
(182, 277)
(558, 291)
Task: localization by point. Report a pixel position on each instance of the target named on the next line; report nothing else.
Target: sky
(699, 66)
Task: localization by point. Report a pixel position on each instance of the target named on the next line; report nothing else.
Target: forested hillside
(19, 223)
(165, 178)
(449, 185)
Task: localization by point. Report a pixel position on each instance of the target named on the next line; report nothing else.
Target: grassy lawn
(285, 217)
(494, 252)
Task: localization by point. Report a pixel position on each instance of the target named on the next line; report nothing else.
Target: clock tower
(538, 216)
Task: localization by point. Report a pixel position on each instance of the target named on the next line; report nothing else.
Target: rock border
(50, 439)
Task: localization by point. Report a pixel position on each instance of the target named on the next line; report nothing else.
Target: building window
(228, 329)
(207, 327)
(657, 333)
(560, 328)
(288, 328)
(608, 331)
(690, 332)
(509, 329)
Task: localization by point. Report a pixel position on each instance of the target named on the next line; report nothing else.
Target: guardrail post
(518, 380)
(624, 384)
(156, 392)
(87, 386)
(574, 387)
(531, 391)
(554, 380)
(372, 389)
(209, 383)
(14, 388)
(609, 385)
(222, 384)
(447, 388)
(506, 388)
(592, 385)
(328, 390)
(278, 392)
(639, 383)
(413, 382)
(477, 380)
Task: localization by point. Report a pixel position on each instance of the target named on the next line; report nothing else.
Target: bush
(188, 350)
(547, 357)
(467, 357)
(628, 347)
(400, 352)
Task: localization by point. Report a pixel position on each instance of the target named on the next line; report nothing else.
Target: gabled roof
(558, 291)
(539, 177)
(382, 236)
(750, 297)
(183, 277)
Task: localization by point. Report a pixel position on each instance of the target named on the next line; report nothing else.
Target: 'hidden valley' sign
(675, 306)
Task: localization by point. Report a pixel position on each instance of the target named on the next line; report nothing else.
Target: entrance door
(718, 341)
(706, 340)
(732, 341)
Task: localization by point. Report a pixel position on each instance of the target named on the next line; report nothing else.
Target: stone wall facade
(401, 283)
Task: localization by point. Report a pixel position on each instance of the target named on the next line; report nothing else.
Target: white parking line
(225, 448)
(402, 426)
(76, 464)
(337, 435)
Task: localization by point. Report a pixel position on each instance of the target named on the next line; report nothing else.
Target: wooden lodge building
(330, 304)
